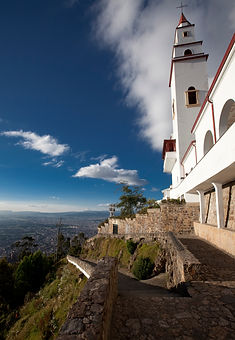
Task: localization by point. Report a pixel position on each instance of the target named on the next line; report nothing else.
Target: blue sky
(84, 97)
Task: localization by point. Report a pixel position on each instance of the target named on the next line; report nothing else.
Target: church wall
(195, 48)
(229, 207)
(190, 161)
(170, 217)
(223, 92)
(191, 73)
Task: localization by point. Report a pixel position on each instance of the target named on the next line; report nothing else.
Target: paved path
(153, 313)
(216, 265)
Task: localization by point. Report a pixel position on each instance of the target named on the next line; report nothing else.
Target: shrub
(131, 246)
(143, 268)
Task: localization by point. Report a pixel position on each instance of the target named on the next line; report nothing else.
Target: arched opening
(192, 96)
(227, 117)
(188, 52)
(208, 142)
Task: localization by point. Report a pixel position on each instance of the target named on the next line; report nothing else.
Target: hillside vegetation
(44, 312)
(100, 247)
(42, 317)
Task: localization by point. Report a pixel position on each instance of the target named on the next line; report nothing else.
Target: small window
(188, 52)
(115, 229)
(192, 97)
(185, 34)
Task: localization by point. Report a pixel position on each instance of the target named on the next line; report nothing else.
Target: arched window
(188, 52)
(208, 142)
(227, 117)
(192, 97)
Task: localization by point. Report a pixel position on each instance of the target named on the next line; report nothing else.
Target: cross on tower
(182, 6)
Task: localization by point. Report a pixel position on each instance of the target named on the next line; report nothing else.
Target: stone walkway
(153, 313)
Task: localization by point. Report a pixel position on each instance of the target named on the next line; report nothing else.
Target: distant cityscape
(43, 227)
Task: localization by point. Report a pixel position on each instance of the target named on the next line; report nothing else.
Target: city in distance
(43, 227)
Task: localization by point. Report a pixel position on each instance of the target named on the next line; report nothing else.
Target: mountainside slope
(42, 317)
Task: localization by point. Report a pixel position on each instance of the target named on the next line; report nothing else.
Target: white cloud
(99, 158)
(107, 170)
(141, 35)
(46, 144)
(54, 163)
(154, 189)
(81, 155)
(40, 206)
(103, 205)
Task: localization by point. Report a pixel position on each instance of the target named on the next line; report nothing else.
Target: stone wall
(83, 266)
(90, 317)
(181, 265)
(222, 238)
(170, 217)
(229, 206)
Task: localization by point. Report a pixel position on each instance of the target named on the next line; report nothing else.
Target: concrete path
(153, 313)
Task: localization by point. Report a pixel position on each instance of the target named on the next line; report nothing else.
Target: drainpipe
(213, 116)
(195, 148)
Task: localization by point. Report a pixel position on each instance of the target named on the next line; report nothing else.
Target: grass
(42, 317)
(150, 250)
(114, 247)
(117, 247)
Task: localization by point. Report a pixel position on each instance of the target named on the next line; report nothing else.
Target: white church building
(200, 153)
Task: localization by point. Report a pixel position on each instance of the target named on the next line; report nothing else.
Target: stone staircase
(148, 313)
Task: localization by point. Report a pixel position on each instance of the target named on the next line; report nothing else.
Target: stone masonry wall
(90, 317)
(181, 265)
(170, 217)
(229, 207)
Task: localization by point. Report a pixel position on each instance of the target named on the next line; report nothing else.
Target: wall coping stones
(90, 317)
(83, 266)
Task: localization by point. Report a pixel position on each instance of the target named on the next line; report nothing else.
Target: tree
(131, 201)
(76, 244)
(6, 281)
(24, 247)
(63, 245)
(31, 272)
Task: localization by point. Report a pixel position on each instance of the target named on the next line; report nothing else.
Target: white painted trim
(219, 204)
(202, 206)
(80, 268)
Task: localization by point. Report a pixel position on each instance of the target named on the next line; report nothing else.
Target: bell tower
(189, 85)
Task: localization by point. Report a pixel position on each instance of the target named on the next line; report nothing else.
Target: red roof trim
(165, 144)
(230, 46)
(183, 19)
(187, 151)
(192, 43)
(193, 56)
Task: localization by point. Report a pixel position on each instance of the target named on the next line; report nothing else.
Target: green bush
(143, 268)
(131, 246)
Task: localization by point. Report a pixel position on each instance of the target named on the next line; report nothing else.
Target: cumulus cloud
(140, 33)
(46, 144)
(108, 171)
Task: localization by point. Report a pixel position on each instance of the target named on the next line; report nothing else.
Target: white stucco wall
(223, 91)
(218, 165)
(190, 160)
(195, 48)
